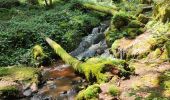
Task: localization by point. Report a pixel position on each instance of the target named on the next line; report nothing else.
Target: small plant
(113, 90)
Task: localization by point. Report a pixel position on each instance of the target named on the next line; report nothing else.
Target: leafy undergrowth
(20, 29)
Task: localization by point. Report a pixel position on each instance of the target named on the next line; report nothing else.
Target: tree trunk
(100, 8)
(50, 2)
(94, 69)
(63, 54)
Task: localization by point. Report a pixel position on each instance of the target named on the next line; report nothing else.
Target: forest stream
(59, 81)
(84, 49)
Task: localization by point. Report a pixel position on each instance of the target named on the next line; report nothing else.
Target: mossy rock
(135, 24)
(39, 56)
(8, 3)
(94, 69)
(19, 73)
(120, 19)
(143, 19)
(10, 75)
(8, 89)
(91, 93)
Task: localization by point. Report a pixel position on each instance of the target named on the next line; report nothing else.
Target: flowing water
(92, 45)
(59, 81)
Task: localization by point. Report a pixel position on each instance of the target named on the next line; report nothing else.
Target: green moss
(135, 24)
(10, 75)
(38, 51)
(91, 93)
(96, 72)
(165, 83)
(120, 19)
(114, 91)
(143, 19)
(164, 55)
(114, 47)
(39, 56)
(8, 91)
(167, 45)
(92, 71)
(162, 11)
(19, 73)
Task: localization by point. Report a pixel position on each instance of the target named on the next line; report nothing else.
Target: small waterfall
(122, 54)
(92, 44)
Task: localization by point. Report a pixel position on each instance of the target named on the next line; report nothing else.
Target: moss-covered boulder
(8, 3)
(143, 44)
(91, 93)
(8, 89)
(39, 56)
(124, 25)
(12, 78)
(162, 11)
(143, 19)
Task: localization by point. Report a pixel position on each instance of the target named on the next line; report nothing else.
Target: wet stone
(51, 85)
(27, 92)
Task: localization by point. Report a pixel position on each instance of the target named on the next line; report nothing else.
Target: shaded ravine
(59, 81)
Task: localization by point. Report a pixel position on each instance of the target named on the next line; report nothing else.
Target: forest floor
(145, 83)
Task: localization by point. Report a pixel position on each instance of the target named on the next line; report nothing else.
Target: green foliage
(113, 90)
(8, 3)
(168, 48)
(162, 11)
(132, 7)
(165, 83)
(90, 93)
(124, 25)
(120, 19)
(20, 32)
(8, 91)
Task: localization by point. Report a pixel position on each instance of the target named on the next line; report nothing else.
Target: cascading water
(60, 81)
(92, 45)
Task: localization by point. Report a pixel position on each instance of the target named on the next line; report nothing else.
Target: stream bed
(60, 83)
